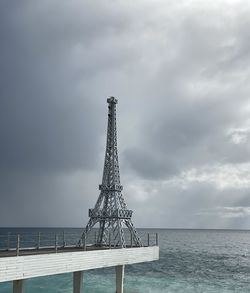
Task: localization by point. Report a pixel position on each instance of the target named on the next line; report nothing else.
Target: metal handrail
(40, 240)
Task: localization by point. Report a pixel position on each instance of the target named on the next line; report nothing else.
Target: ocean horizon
(191, 260)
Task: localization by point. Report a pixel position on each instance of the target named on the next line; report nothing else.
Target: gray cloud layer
(180, 71)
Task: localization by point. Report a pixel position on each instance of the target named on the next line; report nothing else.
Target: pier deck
(36, 265)
(36, 255)
(43, 263)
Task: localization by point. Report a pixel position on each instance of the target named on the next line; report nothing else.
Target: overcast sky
(180, 70)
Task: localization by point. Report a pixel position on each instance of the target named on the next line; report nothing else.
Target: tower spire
(110, 210)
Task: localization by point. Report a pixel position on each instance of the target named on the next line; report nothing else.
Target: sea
(191, 261)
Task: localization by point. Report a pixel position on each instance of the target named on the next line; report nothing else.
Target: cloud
(180, 71)
(240, 135)
(228, 212)
(234, 176)
(148, 164)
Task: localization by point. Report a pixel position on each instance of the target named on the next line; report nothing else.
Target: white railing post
(8, 241)
(64, 242)
(84, 241)
(38, 240)
(56, 243)
(109, 239)
(17, 244)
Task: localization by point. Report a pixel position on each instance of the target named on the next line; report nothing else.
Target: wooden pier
(21, 263)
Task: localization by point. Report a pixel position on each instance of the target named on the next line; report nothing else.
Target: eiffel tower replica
(110, 210)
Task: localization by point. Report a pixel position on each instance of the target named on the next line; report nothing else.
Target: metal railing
(15, 243)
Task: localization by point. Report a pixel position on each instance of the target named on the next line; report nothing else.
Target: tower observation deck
(110, 210)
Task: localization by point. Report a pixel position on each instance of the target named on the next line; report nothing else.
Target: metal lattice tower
(110, 210)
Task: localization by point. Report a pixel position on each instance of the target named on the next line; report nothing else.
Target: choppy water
(197, 261)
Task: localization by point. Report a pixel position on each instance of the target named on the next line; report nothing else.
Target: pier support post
(119, 278)
(18, 286)
(78, 282)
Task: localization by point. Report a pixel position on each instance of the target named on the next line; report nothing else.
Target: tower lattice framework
(110, 210)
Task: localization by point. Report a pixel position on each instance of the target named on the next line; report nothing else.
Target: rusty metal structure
(110, 211)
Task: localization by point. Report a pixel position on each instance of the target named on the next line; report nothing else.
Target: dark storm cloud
(45, 119)
(148, 164)
(180, 72)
